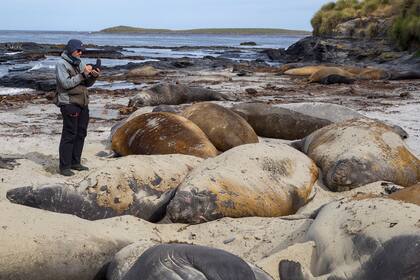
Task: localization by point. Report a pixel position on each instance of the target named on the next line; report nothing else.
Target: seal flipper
(290, 270)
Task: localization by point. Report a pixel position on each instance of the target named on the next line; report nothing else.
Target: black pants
(75, 123)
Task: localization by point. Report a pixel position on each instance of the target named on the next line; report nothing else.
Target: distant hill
(218, 31)
(397, 20)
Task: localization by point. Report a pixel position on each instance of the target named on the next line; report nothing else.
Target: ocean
(151, 46)
(162, 40)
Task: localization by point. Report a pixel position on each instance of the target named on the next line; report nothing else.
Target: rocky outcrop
(364, 27)
(42, 79)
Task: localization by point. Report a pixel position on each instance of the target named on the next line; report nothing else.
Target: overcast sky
(93, 15)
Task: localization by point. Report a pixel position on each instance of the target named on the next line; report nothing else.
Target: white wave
(12, 53)
(14, 91)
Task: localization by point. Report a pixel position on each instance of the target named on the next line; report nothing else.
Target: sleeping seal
(161, 133)
(361, 151)
(174, 94)
(275, 122)
(264, 180)
(330, 75)
(224, 128)
(184, 261)
(333, 113)
(141, 186)
(357, 239)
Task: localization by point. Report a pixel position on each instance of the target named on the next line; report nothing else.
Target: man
(73, 78)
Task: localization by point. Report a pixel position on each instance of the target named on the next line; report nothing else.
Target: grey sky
(92, 15)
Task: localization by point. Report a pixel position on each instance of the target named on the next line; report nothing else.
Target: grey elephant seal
(174, 94)
(224, 128)
(333, 113)
(141, 186)
(297, 120)
(361, 151)
(361, 239)
(275, 122)
(183, 261)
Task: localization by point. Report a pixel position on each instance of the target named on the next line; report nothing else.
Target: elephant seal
(143, 72)
(275, 122)
(333, 113)
(373, 238)
(261, 180)
(184, 261)
(335, 79)
(308, 70)
(174, 94)
(409, 194)
(327, 111)
(167, 108)
(331, 74)
(404, 75)
(161, 133)
(223, 127)
(361, 151)
(374, 74)
(304, 71)
(140, 186)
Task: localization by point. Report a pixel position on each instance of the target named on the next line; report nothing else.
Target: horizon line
(186, 29)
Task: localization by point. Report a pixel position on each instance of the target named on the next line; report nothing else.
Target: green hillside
(403, 14)
(217, 31)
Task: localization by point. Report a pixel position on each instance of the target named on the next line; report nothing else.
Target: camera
(97, 66)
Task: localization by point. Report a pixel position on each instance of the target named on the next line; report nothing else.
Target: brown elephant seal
(223, 127)
(143, 72)
(372, 238)
(261, 180)
(304, 71)
(141, 186)
(161, 133)
(374, 74)
(308, 70)
(361, 151)
(275, 122)
(174, 94)
(330, 75)
(409, 194)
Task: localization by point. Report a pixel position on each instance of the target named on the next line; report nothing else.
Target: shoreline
(31, 126)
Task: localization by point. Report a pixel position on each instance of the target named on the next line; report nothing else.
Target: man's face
(76, 53)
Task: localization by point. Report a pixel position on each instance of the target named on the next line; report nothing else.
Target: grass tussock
(405, 16)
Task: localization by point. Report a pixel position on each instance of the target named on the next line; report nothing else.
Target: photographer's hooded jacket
(72, 83)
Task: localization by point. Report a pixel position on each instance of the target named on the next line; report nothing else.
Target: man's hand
(95, 72)
(88, 69)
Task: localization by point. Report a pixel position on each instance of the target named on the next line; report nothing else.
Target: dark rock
(41, 79)
(96, 53)
(248, 43)
(182, 64)
(8, 163)
(251, 91)
(209, 57)
(275, 54)
(19, 68)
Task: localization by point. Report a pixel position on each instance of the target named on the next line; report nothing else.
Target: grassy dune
(217, 31)
(405, 16)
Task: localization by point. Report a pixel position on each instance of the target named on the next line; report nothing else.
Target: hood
(70, 59)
